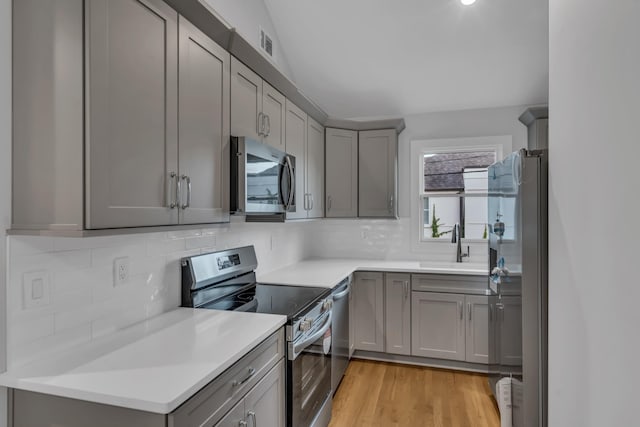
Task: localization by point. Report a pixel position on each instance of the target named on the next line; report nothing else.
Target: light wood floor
(378, 394)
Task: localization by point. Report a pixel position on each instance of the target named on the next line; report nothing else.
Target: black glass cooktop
(274, 299)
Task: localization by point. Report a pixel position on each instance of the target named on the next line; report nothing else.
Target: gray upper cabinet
(203, 127)
(315, 169)
(132, 106)
(341, 173)
(398, 313)
(257, 109)
(368, 311)
(438, 328)
(128, 144)
(48, 125)
(377, 164)
(296, 141)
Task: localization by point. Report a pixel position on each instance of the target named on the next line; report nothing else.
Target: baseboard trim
(422, 361)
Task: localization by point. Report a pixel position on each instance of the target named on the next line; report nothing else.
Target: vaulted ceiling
(381, 58)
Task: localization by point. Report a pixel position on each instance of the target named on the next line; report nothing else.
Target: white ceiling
(381, 58)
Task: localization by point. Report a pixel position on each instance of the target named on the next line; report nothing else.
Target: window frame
(500, 144)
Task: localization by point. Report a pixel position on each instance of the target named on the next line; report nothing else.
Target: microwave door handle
(292, 182)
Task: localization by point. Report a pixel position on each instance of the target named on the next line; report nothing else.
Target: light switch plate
(36, 291)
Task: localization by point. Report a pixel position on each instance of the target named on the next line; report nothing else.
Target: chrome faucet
(456, 238)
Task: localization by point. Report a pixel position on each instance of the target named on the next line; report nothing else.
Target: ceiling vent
(266, 43)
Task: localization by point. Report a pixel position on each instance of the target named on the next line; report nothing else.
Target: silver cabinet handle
(173, 183)
(391, 204)
(253, 418)
(250, 373)
(268, 123)
(469, 311)
(460, 309)
(310, 201)
(490, 312)
(242, 423)
(188, 179)
(260, 123)
(328, 203)
(406, 289)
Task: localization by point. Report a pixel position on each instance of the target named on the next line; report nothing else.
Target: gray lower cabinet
(341, 176)
(377, 173)
(397, 319)
(438, 327)
(368, 311)
(477, 328)
(450, 326)
(509, 321)
(263, 406)
(251, 391)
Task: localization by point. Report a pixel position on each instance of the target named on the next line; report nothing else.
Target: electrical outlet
(120, 270)
(35, 289)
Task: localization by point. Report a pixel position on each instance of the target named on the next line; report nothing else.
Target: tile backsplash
(73, 278)
(76, 297)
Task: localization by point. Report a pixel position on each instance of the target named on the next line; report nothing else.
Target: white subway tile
(106, 255)
(29, 245)
(202, 242)
(30, 330)
(160, 247)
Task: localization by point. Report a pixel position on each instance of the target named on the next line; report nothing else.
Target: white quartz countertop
(153, 366)
(327, 273)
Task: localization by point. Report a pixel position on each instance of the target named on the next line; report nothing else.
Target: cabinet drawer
(211, 403)
(450, 283)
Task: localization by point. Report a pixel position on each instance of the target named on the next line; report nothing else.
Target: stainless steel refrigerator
(518, 277)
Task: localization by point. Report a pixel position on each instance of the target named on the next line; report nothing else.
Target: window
(451, 182)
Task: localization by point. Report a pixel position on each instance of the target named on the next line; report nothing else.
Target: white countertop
(153, 366)
(327, 273)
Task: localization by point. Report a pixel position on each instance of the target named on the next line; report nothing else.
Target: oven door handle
(342, 294)
(298, 347)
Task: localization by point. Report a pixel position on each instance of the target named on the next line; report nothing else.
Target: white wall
(5, 175)
(593, 274)
(247, 16)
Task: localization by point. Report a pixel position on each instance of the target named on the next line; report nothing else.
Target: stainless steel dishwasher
(340, 332)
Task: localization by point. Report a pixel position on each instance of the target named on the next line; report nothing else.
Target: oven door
(309, 376)
(263, 178)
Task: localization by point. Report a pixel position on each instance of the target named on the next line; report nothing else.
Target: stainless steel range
(226, 281)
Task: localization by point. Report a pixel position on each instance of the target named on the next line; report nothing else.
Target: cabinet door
(265, 403)
(274, 107)
(341, 171)
(234, 417)
(377, 159)
(368, 304)
(296, 139)
(315, 169)
(203, 127)
(397, 313)
(438, 325)
(132, 132)
(352, 325)
(477, 329)
(246, 101)
(509, 310)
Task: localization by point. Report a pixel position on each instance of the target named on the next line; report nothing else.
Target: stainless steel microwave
(262, 180)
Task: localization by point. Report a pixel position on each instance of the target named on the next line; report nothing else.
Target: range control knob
(305, 325)
(327, 304)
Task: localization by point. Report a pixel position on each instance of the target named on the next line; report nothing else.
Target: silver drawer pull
(251, 373)
(243, 423)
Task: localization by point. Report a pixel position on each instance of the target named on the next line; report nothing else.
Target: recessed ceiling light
(467, 2)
